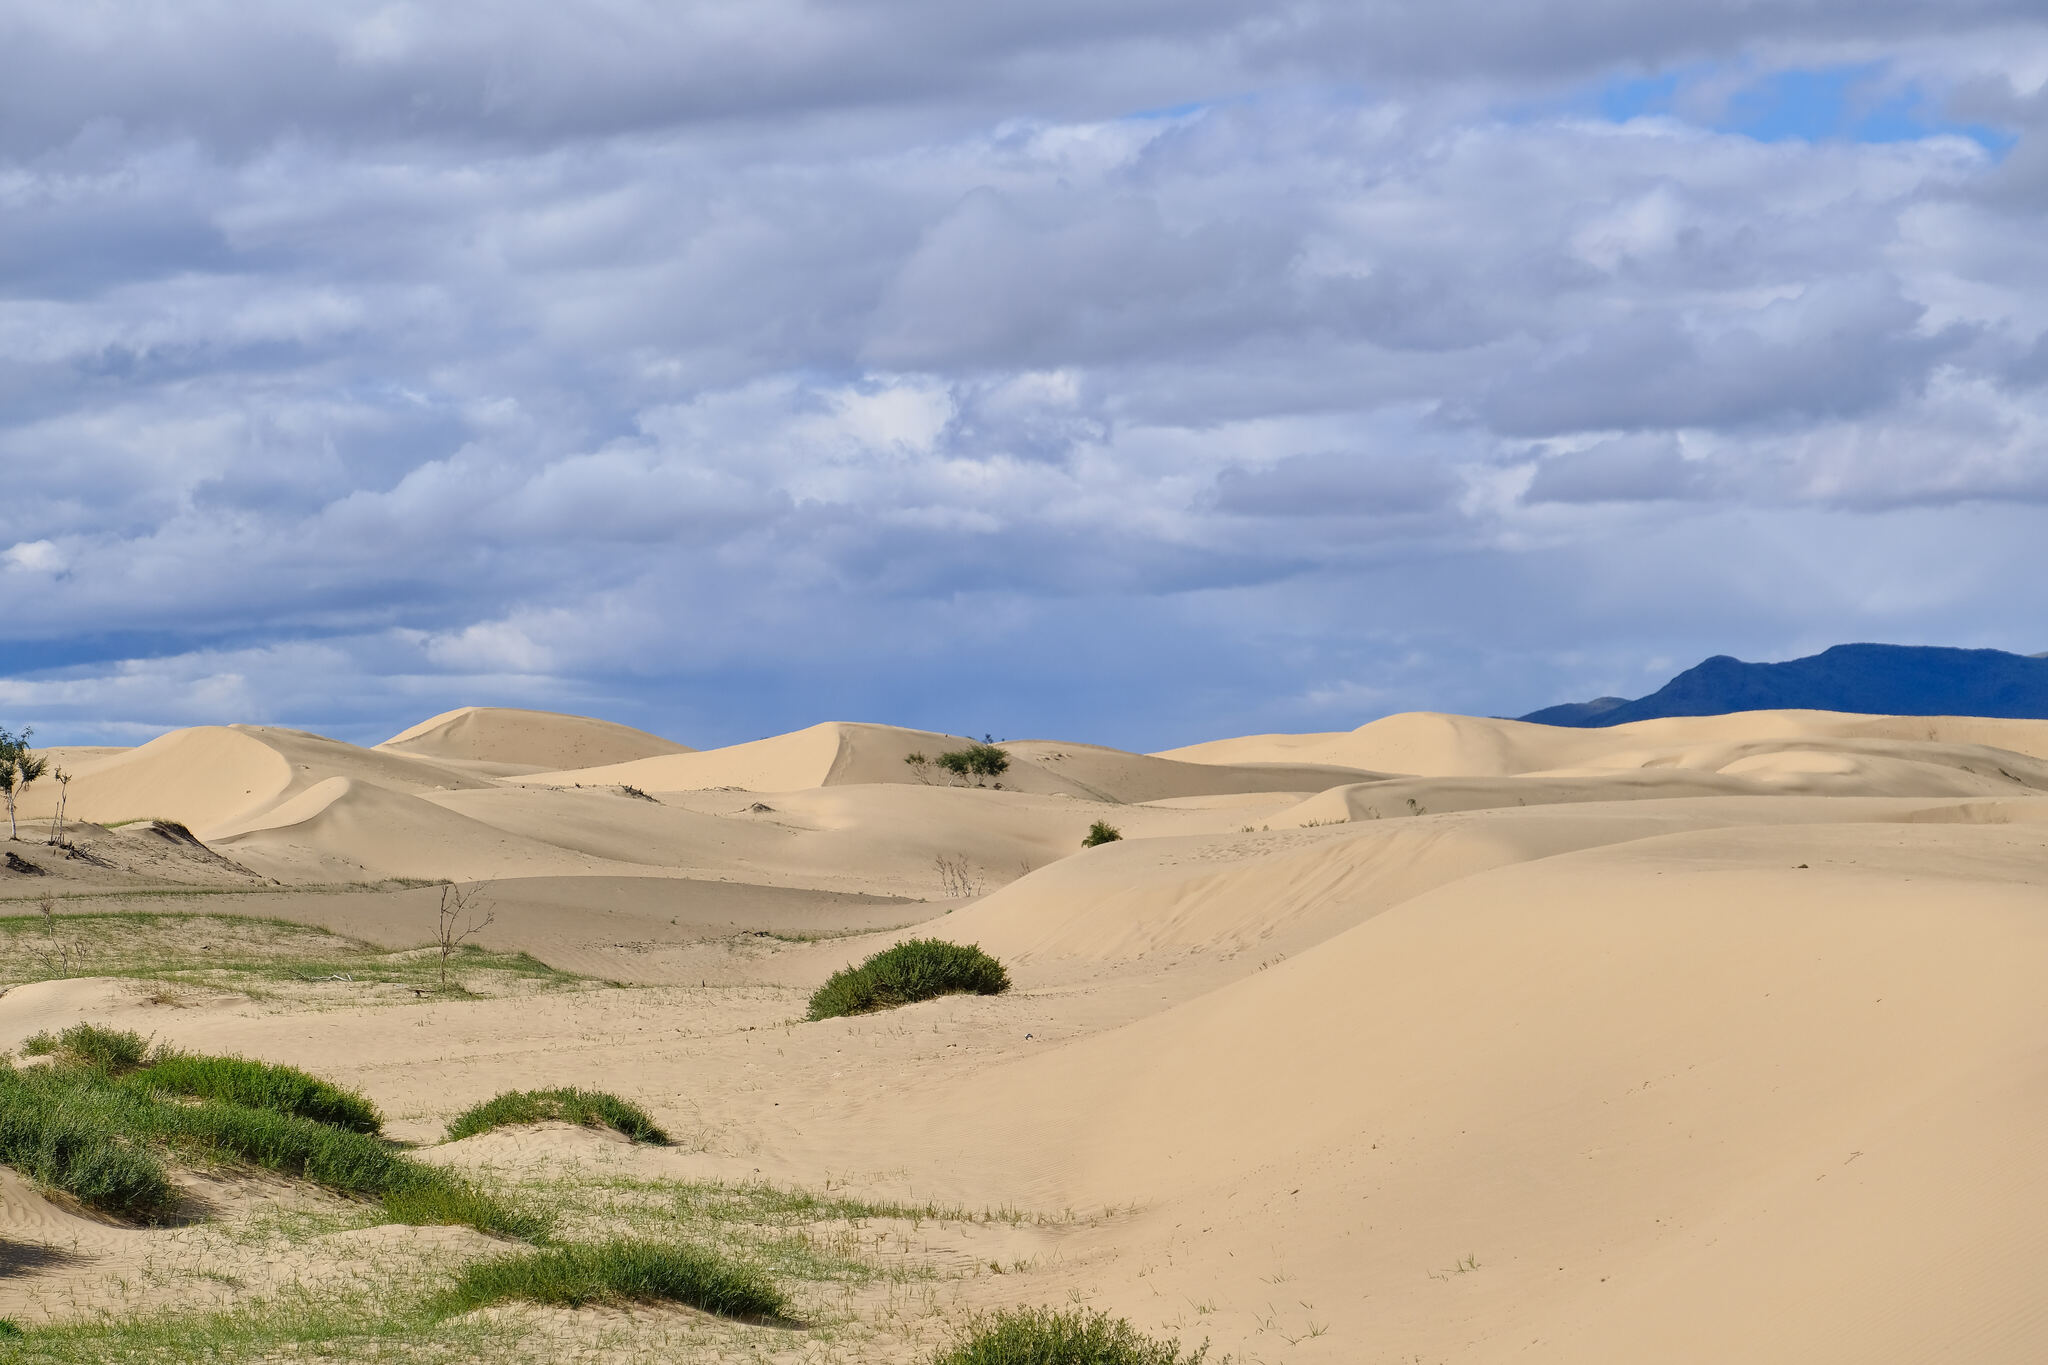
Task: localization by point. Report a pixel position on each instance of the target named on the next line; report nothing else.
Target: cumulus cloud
(715, 368)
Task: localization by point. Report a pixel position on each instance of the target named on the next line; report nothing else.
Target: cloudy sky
(1134, 373)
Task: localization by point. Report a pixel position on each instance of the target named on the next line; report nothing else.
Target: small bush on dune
(623, 1271)
(260, 1085)
(976, 761)
(104, 1049)
(915, 969)
(1101, 832)
(1045, 1336)
(589, 1108)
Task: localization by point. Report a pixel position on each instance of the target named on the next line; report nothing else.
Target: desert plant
(57, 1135)
(623, 1271)
(79, 1129)
(920, 766)
(915, 969)
(19, 767)
(1101, 832)
(464, 913)
(977, 761)
(956, 877)
(1046, 1336)
(89, 1045)
(259, 1085)
(589, 1108)
(63, 780)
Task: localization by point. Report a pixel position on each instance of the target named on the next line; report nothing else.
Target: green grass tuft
(427, 1196)
(260, 1085)
(622, 1271)
(915, 969)
(1101, 832)
(590, 1108)
(1046, 1336)
(59, 1135)
(100, 1140)
(89, 1045)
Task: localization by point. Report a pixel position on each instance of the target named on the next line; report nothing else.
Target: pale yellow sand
(1694, 1041)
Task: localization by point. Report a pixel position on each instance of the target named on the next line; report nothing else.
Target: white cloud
(597, 359)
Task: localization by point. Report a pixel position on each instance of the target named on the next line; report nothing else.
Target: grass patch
(89, 1045)
(261, 1085)
(1046, 1336)
(298, 1323)
(589, 1108)
(102, 1139)
(915, 969)
(61, 1139)
(252, 956)
(620, 1271)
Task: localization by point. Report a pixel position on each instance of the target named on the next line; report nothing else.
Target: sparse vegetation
(956, 878)
(626, 1270)
(1101, 832)
(976, 762)
(249, 955)
(259, 1085)
(589, 1108)
(19, 767)
(464, 913)
(915, 969)
(1046, 1336)
(63, 781)
(628, 789)
(88, 1045)
(80, 1126)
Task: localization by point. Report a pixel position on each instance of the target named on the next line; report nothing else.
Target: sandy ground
(1444, 1039)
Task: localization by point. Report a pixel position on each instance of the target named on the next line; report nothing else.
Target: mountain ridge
(1872, 679)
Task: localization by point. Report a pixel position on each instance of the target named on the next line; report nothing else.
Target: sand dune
(1444, 1038)
(1616, 1077)
(1431, 744)
(532, 740)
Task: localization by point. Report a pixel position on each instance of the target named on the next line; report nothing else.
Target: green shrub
(1045, 1336)
(623, 1271)
(9, 1328)
(915, 969)
(1101, 832)
(260, 1085)
(590, 1108)
(976, 761)
(105, 1049)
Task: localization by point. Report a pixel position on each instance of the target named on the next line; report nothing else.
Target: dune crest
(535, 740)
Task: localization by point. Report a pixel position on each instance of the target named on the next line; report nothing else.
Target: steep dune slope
(199, 777)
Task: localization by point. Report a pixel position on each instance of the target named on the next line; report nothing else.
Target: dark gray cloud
(1625, 469)
(638, 357)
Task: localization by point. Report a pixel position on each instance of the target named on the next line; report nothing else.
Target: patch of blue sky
(1850, 103)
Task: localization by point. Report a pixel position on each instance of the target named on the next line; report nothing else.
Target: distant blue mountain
(1893, 680)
